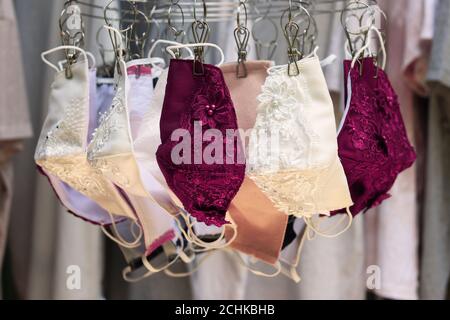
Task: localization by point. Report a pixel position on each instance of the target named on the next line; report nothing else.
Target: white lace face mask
(293, 149)
(61, 149)
(113, 151)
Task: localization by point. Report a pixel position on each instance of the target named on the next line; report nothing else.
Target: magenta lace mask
(373, 145)
(205, 189)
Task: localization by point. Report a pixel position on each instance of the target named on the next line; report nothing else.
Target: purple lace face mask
(205, 189)
(373, 145)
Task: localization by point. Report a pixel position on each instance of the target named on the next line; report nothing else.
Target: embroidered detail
(76, 172)
(64, 138)
(109, 124)
(205, 190)
(210, 107)
(282, 136)
(373, 143)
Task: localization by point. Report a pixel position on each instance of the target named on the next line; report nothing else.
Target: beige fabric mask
(61, 149)
(293, 147)
(260, 225)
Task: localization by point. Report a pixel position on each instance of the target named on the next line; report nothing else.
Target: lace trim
(205, 190)
(282, 117)
(109, 124)
(65, 137)
(294, 192)
(373, 143)
(76, 172)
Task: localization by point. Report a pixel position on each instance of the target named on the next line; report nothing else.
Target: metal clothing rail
(180, 11)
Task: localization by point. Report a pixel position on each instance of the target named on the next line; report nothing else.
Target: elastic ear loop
(170, 49)
(88, 54)
(205, 246)
(151, 269)
(191, 54)
(367, 46)
(324, 233)
(292, 272)
(120, 240)
(190, 272)
(241, 261)
(46, 61)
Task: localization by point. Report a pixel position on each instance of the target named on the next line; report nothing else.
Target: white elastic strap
(170, 273)
(152, 269)
(126, 272)
(154, 62)
(46, 61)
(292, 271)
(324, 233)
(367, 45)
(163, 41)
(89, 55)
(347, 103)
(117, 32)
(241, 261)
(170, 49)
(120, 240)
(205, 246)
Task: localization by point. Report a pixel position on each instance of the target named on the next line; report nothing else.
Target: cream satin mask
(293, 149)
(61, 149)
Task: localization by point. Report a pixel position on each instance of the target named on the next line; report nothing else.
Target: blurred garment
(435, 263)
(392, 237)
(6, 183)
(14, 118)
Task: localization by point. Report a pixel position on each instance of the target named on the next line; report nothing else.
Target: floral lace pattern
(282, 118)
(109, 123)
(205, 190)
(293, 191)
(373, 144)
(64, 138)
(287, 173)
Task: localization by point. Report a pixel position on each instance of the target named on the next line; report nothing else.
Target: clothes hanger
(200, 31)
(292, 34)
(261, 45)
(72, 34)
(241, 37)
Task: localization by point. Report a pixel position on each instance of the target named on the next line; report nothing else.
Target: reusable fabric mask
(146, 145)
(61, 149)
(207, 177)
(260, 225)
(111, 150)
(293, 150)
(373, 144)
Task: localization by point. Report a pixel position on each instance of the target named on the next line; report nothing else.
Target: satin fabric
(61, 151)
(112, 152)
(260, 225)
(302, 175)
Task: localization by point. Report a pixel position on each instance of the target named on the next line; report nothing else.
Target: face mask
(61, 149)
(373, 144)
(293, 148)
(104, 95)
(112, 151)
(261, 226)
(205, 190)
(145, 147)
